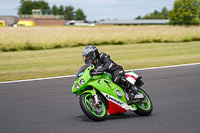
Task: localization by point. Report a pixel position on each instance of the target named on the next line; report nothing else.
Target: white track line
(36, 79)
(151, 68)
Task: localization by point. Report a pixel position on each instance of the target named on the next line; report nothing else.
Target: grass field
(59, 62)
(36, 38)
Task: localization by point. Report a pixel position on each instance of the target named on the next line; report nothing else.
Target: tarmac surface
(48, 106)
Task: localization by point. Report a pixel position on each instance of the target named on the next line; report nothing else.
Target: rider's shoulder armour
(103, 56)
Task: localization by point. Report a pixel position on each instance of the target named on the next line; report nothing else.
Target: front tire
(144, 109)
(94, 112)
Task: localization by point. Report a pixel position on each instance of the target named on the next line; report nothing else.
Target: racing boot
(137, 94)
(132, 90)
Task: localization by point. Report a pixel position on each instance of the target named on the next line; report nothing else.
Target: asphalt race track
(48, 106)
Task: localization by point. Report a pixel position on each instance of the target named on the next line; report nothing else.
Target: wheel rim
(97, 110)
(147, 104)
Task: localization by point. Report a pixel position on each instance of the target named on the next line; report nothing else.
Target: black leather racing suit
(104, 63)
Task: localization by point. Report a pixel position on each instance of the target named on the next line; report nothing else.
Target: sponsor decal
(115, 100)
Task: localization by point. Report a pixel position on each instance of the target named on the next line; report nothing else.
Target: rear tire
(144, 109)
(89, 108)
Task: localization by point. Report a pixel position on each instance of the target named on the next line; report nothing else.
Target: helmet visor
(86, 59)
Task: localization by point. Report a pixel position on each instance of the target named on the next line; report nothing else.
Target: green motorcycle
(100, 97)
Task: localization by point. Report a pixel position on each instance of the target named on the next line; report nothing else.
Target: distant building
(43, 17)
(36, 12)
(9, 20)
(135, 22)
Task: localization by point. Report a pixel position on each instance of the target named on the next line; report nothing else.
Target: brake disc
(96, 107)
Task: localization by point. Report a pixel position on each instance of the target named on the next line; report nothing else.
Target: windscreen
(81, 70)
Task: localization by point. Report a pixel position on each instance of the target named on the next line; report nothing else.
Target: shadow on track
(114, 117)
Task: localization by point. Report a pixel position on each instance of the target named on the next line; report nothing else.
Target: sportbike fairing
(105, 86)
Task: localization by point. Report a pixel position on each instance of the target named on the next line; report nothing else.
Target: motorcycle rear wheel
(144, 109)
(94, 112)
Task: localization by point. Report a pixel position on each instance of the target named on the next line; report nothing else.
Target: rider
(103, 63)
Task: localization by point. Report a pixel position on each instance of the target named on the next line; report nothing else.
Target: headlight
(77, 86)
(119, 94)
(82, 82)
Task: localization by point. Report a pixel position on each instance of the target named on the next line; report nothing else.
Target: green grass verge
(59, 62)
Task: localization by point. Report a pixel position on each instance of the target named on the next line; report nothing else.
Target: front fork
(97, 101)
(93, 92)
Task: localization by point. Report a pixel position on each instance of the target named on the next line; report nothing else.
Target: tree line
(156, 15)
(69, 12)
(184, 12)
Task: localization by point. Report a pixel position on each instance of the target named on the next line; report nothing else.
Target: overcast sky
(100, 9)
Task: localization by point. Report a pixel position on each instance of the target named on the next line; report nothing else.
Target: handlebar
(94, 73)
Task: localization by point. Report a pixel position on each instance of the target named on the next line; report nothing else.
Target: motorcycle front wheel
(144, 107)
(96, 112)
